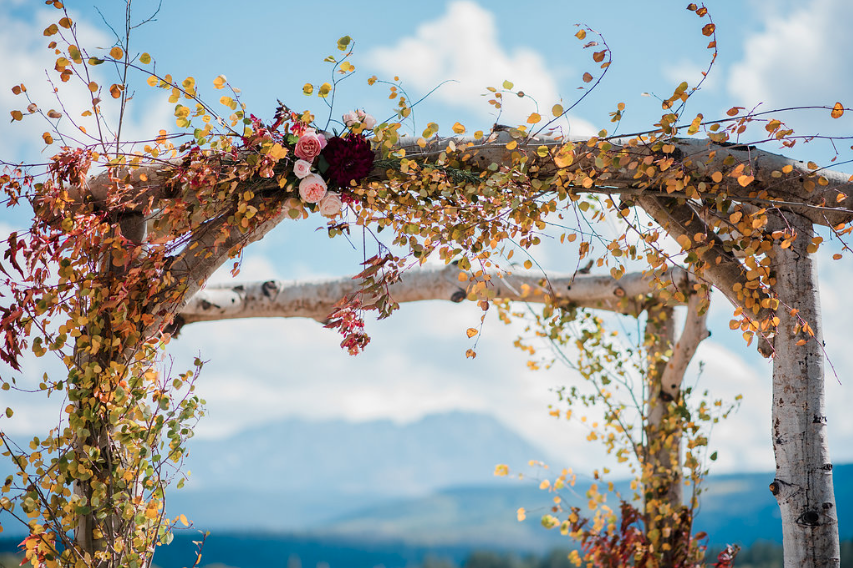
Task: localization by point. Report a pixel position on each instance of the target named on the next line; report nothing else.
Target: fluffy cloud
(464, 46)
(800, 58)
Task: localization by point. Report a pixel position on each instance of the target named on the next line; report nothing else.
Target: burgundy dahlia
(349, 159)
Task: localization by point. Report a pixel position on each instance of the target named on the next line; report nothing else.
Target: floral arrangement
(322, 170)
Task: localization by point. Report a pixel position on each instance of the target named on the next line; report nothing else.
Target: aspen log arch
(683, 194)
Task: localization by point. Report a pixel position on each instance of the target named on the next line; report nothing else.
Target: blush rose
(331, 204)
(301, 168)
(312, 188)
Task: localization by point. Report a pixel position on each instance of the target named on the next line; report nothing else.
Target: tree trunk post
(663, 493)
(803, 484)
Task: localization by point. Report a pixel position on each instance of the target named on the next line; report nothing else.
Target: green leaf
(145, 58)
(344, 42)
(508, 85)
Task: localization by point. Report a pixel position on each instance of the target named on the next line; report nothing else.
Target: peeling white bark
(803, 484)
(315, 299)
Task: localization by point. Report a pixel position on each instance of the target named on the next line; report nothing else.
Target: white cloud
(464, 46)
(800, 58)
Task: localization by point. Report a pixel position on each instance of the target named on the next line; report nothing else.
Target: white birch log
(315, 299)
(803, 485)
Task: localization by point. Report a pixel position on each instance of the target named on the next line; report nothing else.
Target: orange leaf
(587, 77)
(745, 180)
(837, 110)
(708, 29)
(471, 332)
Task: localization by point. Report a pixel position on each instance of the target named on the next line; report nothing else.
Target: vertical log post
(803, 484)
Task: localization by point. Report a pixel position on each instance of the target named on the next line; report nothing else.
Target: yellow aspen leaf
(502, 470)
(733, 111)
(115, 91)
(458, 128)
(736, 216)
(93, 86)
(471, 332)
(17, 115)
(557, 110)
(48, 139)
(745, 180)
(152, 81)
(145, 58)
(277, 152)
(581, 34)
(587, 77)
(65, 23)
(184, 521)
(837, 110)
(512, 145)
(470, 354)
(307, 89)
(324, 90)
(734, 324)
(508, 85)
(787, 169)
(836, 256)
(684, 241)
(219, 82)
(528, 264)
(545, 484)
(534, 118)
(521, 514)
(50, 30)
(116, 53)
(565, 156)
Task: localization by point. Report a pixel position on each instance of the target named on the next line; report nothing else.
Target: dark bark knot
(666, 397)
(819, 419)
(205, 305)
(809, 519)
(269, 288)
(458, 296)
(774, 488)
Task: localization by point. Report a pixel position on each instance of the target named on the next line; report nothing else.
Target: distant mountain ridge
(313, 472)
(426, 483)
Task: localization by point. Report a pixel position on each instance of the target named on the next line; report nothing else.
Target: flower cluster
(344, 159)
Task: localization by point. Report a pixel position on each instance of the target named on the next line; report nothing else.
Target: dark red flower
(349, 159)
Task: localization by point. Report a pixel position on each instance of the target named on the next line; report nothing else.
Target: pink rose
(312, 188)
(351, 118)
(309, 145)
(331, 204)
(301, 169)
(366, 120)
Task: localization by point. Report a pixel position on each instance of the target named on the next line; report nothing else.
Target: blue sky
(775, 54)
